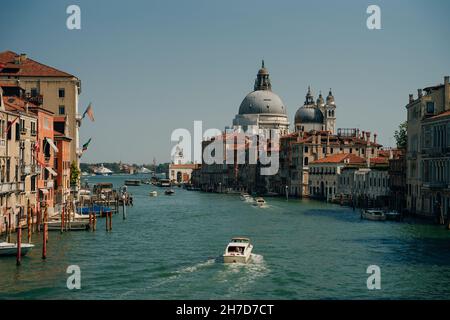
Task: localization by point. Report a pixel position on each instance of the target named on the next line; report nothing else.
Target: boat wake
(240, 276)
(173, 276)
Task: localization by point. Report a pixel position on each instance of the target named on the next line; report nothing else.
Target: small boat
(260, 202)
(246, 197)
(77, 225)
(132, 182)
(393, 215)
(373, 214)
(169, 192)
(239, 250)
(153, 194)
(10, 249)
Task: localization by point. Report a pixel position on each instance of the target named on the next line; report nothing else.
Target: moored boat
(10, 249)
(239, 250)
(132, 182)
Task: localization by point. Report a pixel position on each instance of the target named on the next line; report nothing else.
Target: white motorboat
(374, 215)
(10, 249)
(102, 171)
(153, 194)
(246, 197)
(260, 202)
(239, 250)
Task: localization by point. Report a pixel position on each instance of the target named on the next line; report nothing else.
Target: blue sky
(152, 66)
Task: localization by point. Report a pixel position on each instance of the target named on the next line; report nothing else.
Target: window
(9, 130)
(62, 110)
(430, 107)
(306, 161)
(61, 93)
(306, 149)
(33, 128)
(34, 92)
(17, 131)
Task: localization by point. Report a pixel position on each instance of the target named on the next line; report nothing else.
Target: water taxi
(373, 214)
(260, 202)
(153, 194)
(132, 182)
(239, 250)
(246, 197)
(10, 249)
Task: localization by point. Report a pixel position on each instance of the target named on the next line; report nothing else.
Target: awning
(52, 144)
(44, 191)
(52, 172)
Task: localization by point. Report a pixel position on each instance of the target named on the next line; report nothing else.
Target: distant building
(428, 152)
(397, 180)
(367, 185)
(299, 149)
(181, 173)
(324, 174)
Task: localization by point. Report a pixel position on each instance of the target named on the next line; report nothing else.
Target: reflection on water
(303, 250)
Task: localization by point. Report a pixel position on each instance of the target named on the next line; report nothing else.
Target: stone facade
(428, 152)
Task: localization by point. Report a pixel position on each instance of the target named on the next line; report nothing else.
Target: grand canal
(170, 248)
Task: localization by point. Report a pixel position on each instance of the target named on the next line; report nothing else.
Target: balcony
(10, 187)
(49, 184)
(23, 130)
(33, 133)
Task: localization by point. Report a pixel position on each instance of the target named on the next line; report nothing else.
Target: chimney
(26, 107)
(419, 93)
(375, 138)
(368, 136)
(2, 105)
(411, 98)
(362, 135)
(23, 57)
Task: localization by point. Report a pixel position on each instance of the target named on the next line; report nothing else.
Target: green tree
(74, 173)
(401, 136)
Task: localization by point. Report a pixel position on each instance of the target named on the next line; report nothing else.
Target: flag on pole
(89, 113)
(85, 146)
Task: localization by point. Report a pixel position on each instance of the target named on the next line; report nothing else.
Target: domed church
(262, 109)
(319, 115)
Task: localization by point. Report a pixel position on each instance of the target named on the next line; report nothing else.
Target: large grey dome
(262, 101)
(308, 114)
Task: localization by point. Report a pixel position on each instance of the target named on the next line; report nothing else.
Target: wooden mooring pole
(29, 222)
(44, 234)
(19, 244)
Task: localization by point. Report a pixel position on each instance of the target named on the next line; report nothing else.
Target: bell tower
(330, 113)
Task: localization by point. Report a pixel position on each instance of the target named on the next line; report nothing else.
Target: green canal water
(169, 247)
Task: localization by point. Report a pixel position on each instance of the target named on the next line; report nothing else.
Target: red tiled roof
(28, 67)
(379, 160)
(441, 115)
(341, 158)
(15, 104)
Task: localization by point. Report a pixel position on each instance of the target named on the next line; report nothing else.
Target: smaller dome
(263, 71)
(330, 98)
(308, 114)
